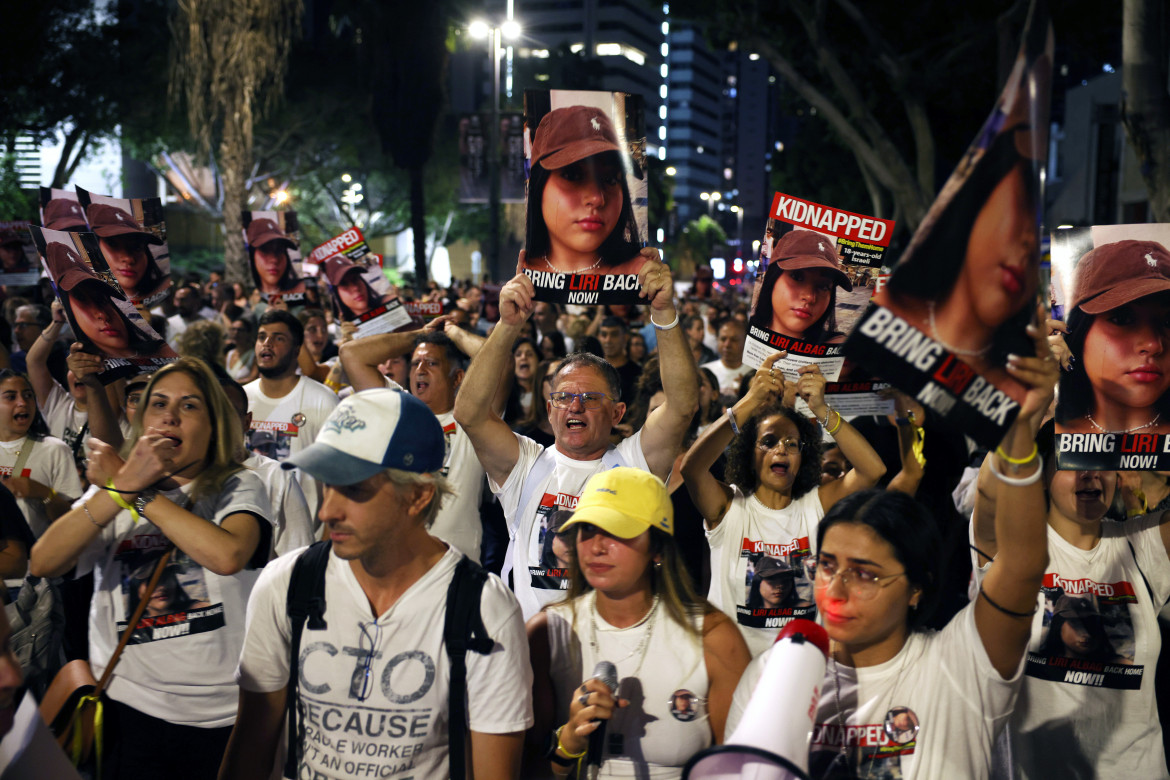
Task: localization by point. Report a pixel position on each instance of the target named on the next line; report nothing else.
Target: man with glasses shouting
(532, 481)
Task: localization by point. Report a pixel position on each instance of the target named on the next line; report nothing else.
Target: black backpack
(463, 630)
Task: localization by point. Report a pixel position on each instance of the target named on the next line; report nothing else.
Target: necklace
(548, 261)
(961, 352)
(643, 642)
(1097, 425)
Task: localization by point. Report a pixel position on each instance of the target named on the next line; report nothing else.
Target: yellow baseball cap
(624, 502)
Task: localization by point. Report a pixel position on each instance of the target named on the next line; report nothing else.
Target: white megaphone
(761, 748)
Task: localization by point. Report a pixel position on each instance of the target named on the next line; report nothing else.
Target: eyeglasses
(362, 684)
(862, 584)
(19, 324)
(588, 400)
(770, 442)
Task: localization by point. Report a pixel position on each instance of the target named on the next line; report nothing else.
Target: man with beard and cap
(378, 662)
(126, 248)
(290, 406)
(437, 366)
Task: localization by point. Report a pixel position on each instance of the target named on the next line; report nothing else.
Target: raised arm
(103, 419)
(495, 444)
(726, 655)
(360, 358)
(662, 435)
(37, 359)
(867, 464)
(712, 497)
(1008, 596)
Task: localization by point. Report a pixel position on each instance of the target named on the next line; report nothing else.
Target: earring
(657, 565)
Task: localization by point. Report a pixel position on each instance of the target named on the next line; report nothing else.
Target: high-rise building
(693, 139)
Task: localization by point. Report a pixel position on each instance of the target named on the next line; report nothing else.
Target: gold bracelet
(1018, 461)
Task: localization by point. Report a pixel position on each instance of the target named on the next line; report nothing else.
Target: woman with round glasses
(630, 602)
(760, 521)
(898, 700)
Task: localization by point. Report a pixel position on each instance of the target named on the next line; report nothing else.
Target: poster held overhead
(586, 208)
(132, 236)
(19, 266)
(960, 297)
(358, 290)
(1112, 284)
(274, 255)
(101, 317)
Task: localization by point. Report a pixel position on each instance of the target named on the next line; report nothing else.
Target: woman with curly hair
(772, 501)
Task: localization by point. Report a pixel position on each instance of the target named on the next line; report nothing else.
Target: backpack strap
(306, 600)
(463, 630)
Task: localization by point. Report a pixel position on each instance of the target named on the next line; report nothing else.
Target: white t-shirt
(458, 520)
(728, 378)
(543, 481)
(1095, 716)
(400, 729)
(286, 425)
(178, 665)
(749, 533)
(63, 418)
(292, 523)
(944, 679)
(655, 659)
(50, 463)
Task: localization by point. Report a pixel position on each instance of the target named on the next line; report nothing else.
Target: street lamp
(711, 198)
(738, 212)
(509, 29)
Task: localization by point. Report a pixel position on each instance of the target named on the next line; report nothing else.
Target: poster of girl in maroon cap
(961, 296)
(274, 255)
(103, 320)
(359, 291)
(132, 234)
(1111, 284)
(18, 256)
(586, 208)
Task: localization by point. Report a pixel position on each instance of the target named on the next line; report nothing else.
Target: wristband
(116, 496)
(1005, 610)
(1018, 461)
(836, 427)
(567, 759)
(731, 419)
(1031, 479)
(50, 497)
(672, 324)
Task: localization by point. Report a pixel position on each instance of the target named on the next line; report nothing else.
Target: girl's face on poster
(126, 256)
(581, 205)
(98, 318)
(799, 299)
(1125, 353)
(352, 292)
(1000, 267)
(271, 262)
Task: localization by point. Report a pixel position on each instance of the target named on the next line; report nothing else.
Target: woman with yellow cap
(630, 603)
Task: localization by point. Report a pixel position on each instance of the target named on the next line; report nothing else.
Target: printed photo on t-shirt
(178, 605)
(862, 751)
(272, 439)
(1087, 635)
(555, 548)
(776, 586)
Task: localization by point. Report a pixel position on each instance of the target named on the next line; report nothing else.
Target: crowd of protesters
(638, 495)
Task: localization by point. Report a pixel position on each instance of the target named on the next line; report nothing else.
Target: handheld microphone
(607, 673)
(761, 748)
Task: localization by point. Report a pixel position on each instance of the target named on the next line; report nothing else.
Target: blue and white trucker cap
(372, 431)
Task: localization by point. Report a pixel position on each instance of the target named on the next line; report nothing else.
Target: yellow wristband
(117, 499)
(561, 747)
(836, 427)
(1018, 461)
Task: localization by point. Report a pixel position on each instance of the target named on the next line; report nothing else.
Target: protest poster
(358, 289)
(1112, 285)
(19, 266)
(272, 239)
(586, 210)
(132, 235)
(474, 175)
(60, 210)
(102, 319)
(959, 299)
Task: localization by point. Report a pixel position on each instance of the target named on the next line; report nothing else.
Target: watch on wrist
(144, 498)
